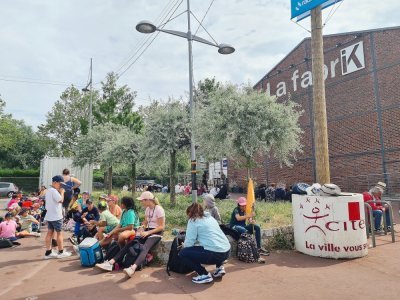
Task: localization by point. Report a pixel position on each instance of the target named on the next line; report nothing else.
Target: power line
(208, 9)
(38, 82)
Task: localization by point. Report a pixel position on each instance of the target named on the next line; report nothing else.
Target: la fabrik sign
(350, 59)
(332, 227)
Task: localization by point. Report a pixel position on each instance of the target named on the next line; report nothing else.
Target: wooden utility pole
(319, 103)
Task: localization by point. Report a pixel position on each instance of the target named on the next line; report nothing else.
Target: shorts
(108, 228)
(55, 225)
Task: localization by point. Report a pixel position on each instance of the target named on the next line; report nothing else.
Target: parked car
(7, 189)
(98, 185)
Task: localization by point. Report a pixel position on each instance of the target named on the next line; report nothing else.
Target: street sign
(302, 8)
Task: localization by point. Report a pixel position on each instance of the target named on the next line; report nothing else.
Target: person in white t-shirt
(54, 217)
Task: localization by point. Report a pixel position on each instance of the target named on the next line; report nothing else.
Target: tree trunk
(133, 179)
(173, 177)
(110, 174)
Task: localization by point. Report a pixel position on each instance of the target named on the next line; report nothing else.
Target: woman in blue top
(127, 225)
(213, 246)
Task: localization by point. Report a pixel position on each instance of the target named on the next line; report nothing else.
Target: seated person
(126, 227)
(209, 205)
(238, 222)
(107, 221)
(8, 228)
(375, 193)
(14, 199)
(80, 205)
(205, 243)
(149, 235)
(26, 221)
(113, 206)
(26, 202)
(223, 193)
(89, 213)
(36, 213)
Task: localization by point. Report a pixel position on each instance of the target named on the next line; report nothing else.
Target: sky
(52, 41)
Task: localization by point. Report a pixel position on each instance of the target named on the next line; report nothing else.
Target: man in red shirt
(375, 193)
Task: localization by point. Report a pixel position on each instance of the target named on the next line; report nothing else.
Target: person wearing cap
(128, 223)
(113, 206)
(107, 221)
(209, 205)
(150, 234)
(238, 223)
(375, 194)
(8, 228)
(26, 221)
(205, 243)
(89, 213)
(54, 217)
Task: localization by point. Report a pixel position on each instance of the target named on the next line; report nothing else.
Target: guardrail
(371, 224)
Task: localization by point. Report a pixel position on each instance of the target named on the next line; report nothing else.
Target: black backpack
(174, 262)
(112, 250)
(230, 231)
(247, 249)
(5, 243)
(130, 257)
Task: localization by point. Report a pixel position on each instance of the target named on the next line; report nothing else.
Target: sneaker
(73, 240)
(36, 234)
(219, 272)
(261, 260)
(129, 271)
(64, 254)
(51, 255)
(105, 266)
(264, 252)
(202, 279)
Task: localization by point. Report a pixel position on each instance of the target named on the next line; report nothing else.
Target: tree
(166, 131)
(242, 122)
(68, 119)
(108, 144)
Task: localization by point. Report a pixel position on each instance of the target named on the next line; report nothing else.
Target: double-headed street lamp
(148, 27)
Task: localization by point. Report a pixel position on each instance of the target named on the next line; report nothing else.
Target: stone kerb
(274, 238)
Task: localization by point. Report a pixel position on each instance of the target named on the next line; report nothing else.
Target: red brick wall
(355, 110)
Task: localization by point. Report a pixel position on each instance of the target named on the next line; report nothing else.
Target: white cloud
(54, 40)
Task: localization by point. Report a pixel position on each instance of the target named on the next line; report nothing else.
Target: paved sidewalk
(286, 275)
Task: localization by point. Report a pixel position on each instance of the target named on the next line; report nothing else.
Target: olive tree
(243, 122)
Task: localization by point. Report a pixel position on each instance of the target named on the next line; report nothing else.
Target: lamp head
(225, 49)
(146, 27)
(85, 89)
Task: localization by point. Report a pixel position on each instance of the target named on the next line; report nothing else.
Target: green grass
(268, 215)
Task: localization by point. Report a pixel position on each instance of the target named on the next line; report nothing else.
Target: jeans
(195, 256)
(249, 229)
(150, 242)
(378, 218)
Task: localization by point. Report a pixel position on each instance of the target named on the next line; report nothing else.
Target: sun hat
(112, 198)
(241, 201)
(209, 199)
(381, 185)
(146, 196)
(103, 196)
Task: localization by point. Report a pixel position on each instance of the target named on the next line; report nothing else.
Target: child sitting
(26, 221)
(8, 227)
(107, 221)
(209, 205)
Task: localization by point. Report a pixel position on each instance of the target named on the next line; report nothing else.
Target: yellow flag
(250, 197)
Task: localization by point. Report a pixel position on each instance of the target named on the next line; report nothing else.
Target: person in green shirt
(127, 225)
(107, 221)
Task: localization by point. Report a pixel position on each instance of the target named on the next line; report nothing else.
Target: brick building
(362, 71)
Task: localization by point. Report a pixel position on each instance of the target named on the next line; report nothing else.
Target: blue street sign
(302, 8)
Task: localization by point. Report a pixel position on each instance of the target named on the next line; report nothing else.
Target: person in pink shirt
(14, 199)
(8, 227)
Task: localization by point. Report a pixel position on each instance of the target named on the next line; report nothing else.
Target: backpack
(300, 188)
(133, 252)
(5, 243)
(112, 251)
(230, 231)
(174, 262)
(247, 249)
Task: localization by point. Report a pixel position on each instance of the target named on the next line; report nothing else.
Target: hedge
(19, 173)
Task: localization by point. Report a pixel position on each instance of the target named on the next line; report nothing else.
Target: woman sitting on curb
(213, 246)
(238, 222)
(126, 227)
(154, 224)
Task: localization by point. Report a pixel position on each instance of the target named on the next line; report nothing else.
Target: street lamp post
(148, 27)
(85, 89)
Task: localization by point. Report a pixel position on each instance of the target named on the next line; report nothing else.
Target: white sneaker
(51, 255)
(129, 271)
(36, 234)
(64, 254)
(105, 266)
(219, 272)
(202, 279)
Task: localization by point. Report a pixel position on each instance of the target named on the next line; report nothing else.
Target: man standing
(54, 218)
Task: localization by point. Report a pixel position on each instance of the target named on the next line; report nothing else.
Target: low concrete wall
(274, 238)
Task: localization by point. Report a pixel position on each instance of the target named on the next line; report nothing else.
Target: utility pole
(319, 102)
(91, 94)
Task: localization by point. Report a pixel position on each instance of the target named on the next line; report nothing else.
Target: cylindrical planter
(332, 227)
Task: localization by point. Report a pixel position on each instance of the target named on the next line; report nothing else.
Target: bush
(19, 173)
